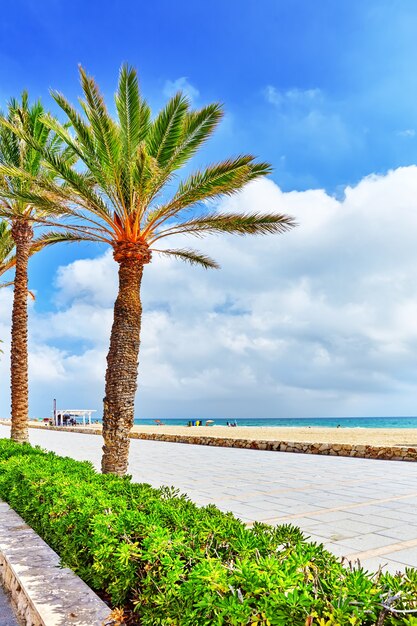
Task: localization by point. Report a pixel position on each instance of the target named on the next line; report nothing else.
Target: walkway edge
(43, 592)
(387, 453)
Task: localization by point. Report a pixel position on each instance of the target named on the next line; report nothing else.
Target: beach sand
(359, 436)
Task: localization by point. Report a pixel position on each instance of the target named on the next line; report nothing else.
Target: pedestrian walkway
(7, 617)
(359, 508)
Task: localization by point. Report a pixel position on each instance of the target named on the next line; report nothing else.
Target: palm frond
(198, 127)
(84, 133)
(103, 127)
(225, 178)
(134, 113)
(233, 223)
(6, 246)
(166, 130)
(191, 256)
(51, 238)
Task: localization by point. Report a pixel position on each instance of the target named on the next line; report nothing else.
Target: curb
(43, 592)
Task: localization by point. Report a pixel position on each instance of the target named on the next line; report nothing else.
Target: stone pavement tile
(245, 512)
(344, 529)
(378, 520)
(407, 556)
(335, 548)
(370, 509)
(327, 532)
(364, 542)
(387, 565)
(396, 501)
(296, 509)
(335, 516)
(402, 532)
(407, 506)
(316, 538)
(401, 516)
(305, 522)
(346, 494)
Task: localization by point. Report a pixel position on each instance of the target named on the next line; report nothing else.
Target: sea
(328, 422)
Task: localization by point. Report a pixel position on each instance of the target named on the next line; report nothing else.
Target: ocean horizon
(328, 422)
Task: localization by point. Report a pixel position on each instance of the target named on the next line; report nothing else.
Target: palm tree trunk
(22, 234)
(122, 368)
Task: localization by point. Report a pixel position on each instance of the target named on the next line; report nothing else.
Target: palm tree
(21, 167)
(121, 197)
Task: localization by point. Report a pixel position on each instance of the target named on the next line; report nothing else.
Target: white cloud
(319, 321)
(408, 132)
(313, 123)
(171, 87)
(293, 96)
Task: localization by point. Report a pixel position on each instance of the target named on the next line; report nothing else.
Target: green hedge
(177, 564)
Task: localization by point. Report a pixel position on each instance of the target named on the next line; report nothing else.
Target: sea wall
(391, 453)
(394, 453)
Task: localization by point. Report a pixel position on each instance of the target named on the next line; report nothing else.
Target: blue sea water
(328, 422)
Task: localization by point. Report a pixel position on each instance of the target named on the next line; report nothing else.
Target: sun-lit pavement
(359, 508)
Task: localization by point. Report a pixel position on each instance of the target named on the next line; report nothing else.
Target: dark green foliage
(177, 564)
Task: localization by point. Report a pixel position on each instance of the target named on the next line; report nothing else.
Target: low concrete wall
(390, 453)
(43, 592)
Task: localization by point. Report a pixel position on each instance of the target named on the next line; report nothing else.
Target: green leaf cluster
(153, 552)
(118, 178)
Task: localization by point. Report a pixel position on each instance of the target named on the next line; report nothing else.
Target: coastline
(311, 434)
(394, 445)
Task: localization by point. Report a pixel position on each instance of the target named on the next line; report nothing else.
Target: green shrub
(173, 563)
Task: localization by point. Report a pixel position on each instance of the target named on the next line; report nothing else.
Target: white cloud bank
(319, 321)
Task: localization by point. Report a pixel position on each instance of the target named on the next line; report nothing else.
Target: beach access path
(359, 508)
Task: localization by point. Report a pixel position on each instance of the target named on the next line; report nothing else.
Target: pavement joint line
(392, 547)
(308, 487)
(347, 507)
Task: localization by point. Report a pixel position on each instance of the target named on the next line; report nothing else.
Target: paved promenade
(359, 508)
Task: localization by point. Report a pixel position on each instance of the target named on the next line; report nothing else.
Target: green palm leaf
(102, 125)
(191, 256)
(167, 129)
(232, 223)
(225, 178)
(134, 113)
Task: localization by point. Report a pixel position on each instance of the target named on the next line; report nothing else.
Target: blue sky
(326, 91)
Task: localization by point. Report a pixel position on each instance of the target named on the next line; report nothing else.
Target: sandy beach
(359, 436)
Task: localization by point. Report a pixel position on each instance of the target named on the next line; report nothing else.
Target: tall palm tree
(121, 197)
(21, 209)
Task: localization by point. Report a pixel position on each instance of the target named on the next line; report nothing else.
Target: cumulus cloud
(171, 87)
(319, 321)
